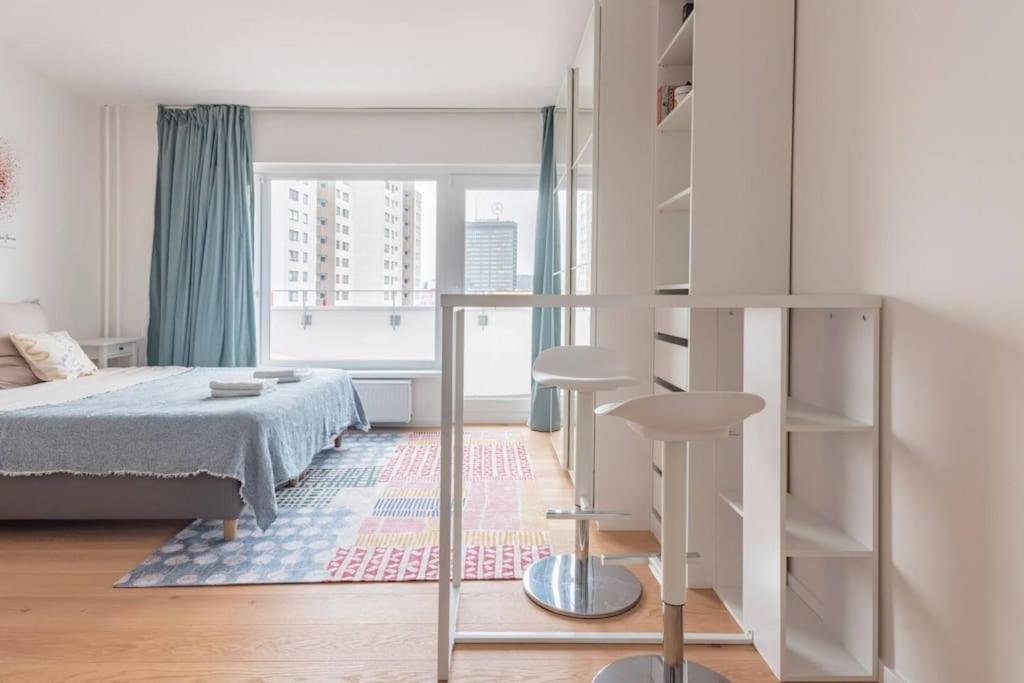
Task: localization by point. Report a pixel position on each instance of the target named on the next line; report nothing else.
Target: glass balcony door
(499, 226)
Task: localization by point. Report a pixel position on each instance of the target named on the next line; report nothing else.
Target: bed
(151, 443)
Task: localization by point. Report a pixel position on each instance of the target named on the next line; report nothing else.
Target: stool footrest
(692, 557)
(587, 515)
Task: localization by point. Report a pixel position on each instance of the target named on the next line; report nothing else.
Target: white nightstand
(104, 349)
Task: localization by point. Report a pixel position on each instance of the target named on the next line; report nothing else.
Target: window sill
(393, 374)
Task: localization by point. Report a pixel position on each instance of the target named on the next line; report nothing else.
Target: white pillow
(53, 355)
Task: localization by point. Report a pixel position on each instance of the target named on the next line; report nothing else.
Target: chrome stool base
(651, 669)
(554, 584)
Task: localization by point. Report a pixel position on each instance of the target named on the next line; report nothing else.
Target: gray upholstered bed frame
(123, 496)
(70, 496)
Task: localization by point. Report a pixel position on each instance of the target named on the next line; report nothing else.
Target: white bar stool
(675, 419)
(578, 585)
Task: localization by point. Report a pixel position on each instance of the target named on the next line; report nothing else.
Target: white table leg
(457, 450)
(444, 587)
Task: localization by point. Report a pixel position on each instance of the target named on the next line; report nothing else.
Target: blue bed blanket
(173, 427)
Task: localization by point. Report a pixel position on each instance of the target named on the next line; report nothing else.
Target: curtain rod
(390, 110)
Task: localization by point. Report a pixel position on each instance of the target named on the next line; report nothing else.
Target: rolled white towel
(281, 373)
(242, 383)
(238, 393)
(297, 377)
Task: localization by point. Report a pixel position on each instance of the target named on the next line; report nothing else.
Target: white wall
(625, 234)
(325, 137)
(55, 137)
(909, 173)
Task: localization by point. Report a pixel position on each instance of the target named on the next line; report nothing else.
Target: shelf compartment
(677, 202)
(672, 363)
(679, 119)
(811, 653)
(679, 51)
(734, 499)
(808, 534)
(805, 417)
(674, 288)
(673, 321)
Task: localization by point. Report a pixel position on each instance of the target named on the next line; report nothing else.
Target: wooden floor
(60, 619)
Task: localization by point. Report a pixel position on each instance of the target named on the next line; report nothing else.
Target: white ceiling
(367, 53)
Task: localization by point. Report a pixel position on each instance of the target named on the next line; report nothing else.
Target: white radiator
(386, 400)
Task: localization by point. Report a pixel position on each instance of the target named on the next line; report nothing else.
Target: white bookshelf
(785, 511)
(810, 492)
(716, 196)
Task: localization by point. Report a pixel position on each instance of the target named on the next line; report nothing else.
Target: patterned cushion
(53, 355)
(14, 371)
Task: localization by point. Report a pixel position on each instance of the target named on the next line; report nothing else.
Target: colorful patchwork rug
(366, 512)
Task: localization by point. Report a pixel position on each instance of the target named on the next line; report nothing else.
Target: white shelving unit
(810, 492)
(785, 510)
(719, 197)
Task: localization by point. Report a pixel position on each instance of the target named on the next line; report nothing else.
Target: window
(500, 224)
(305, 199)
(293, 235)
(358, 324)
(293, 195)
(293, 215)
(305, 218)
(293, 255)
(305, 238)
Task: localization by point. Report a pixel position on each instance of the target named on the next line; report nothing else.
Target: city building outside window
(339, 329)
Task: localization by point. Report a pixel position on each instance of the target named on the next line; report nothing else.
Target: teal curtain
(201, 301)
(545, 415)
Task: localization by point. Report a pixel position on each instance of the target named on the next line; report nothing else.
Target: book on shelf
(667, 98)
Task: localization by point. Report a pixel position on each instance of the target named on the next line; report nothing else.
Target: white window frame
(452, 181)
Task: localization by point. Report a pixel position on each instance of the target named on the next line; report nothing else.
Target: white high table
(453, 308)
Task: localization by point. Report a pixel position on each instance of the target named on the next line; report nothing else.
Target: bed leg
(230, 529)
(337, 441)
